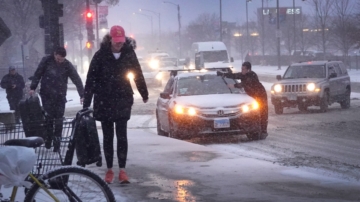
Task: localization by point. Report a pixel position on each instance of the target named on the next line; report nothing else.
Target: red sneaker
(109, 177)
(123, 178)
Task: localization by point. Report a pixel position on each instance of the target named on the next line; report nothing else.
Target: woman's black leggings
(108, 144)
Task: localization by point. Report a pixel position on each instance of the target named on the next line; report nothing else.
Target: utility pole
(179, 17)
(97, 22)
(220, 21)
(278, 33)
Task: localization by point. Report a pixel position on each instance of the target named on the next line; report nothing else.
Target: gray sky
(233, 11)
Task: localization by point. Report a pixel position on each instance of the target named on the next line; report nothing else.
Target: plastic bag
(15, 165)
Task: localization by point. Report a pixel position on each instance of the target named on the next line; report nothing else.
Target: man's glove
(219, 73)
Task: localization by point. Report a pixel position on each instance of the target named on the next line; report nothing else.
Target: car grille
(294, 88)
(218, 115)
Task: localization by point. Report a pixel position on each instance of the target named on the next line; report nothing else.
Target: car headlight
(159, 76)
(248, 107)
(185, 110)
(278, 88)
(130, 76)
(310, 86)
(154, 64)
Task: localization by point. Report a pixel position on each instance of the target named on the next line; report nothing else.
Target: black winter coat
(7, 83)
(107, 81)
(54, 78)
(250, 82)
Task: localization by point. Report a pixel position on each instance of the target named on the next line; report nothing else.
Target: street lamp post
(149, 17)
(179, 21)
(247, 25)
(158, 14)
(278, 33)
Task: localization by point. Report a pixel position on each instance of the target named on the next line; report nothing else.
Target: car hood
(214, 100)
(148, 75)
(303, 80)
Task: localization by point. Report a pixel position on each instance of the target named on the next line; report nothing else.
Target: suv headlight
(310, 86)
(277, 88)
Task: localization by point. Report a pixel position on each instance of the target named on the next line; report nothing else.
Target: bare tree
(203, 28)
(343, 26)
(21, 16)
(323, 9)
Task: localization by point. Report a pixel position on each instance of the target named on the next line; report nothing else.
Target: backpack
(87, 144)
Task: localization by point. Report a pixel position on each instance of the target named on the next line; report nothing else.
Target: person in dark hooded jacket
(14, 85)
(53, 72)
(107, 81)
(252, 86)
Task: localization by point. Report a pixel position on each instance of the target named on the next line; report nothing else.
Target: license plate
(292, 97)
(222, 123)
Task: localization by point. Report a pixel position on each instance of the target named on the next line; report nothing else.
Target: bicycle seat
(31, 142)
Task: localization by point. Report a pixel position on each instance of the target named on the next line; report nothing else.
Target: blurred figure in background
(14, 85)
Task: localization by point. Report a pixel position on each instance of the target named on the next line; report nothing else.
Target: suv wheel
(345, 104)
(158, 126)
(302, 107)
(278, 109)
(324, 102)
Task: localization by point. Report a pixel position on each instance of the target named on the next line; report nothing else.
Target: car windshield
(306, 71)
(215, 56)
(145, 67)
(205, 85)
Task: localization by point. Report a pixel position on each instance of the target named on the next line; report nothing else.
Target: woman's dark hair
(60, 51)
(247, 65)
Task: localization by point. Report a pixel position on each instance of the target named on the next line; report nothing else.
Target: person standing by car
(253, 87)
(54, 72)
(108, 83)
(14, 85)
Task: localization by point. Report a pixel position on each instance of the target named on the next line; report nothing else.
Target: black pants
(263, 102)
(14, 105)
(54, 107)
(122, 143)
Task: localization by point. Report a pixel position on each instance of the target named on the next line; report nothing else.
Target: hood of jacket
(130, 43)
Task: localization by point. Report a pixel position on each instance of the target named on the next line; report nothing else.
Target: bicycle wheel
(70, 183)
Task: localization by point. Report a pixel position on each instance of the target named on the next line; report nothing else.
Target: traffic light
(89, 45)
(49, 21)
(89, 15)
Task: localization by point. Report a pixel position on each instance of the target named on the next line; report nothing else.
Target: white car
(153, 77)
(194, 103)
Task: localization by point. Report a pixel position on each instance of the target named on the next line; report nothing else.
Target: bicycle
(52, 176)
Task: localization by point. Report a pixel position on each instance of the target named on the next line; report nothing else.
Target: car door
(333, 81)
(163, 105)
(343, 81)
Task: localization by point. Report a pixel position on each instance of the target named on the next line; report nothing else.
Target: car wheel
(254, 136)
(173, 130)
(278, 109)
(158, 126)
(345, 104)
(302, 107)
(324, 102)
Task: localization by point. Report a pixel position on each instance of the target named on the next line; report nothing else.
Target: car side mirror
(332, 75)
(231, 59)
(278, 77)
(164, 95)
